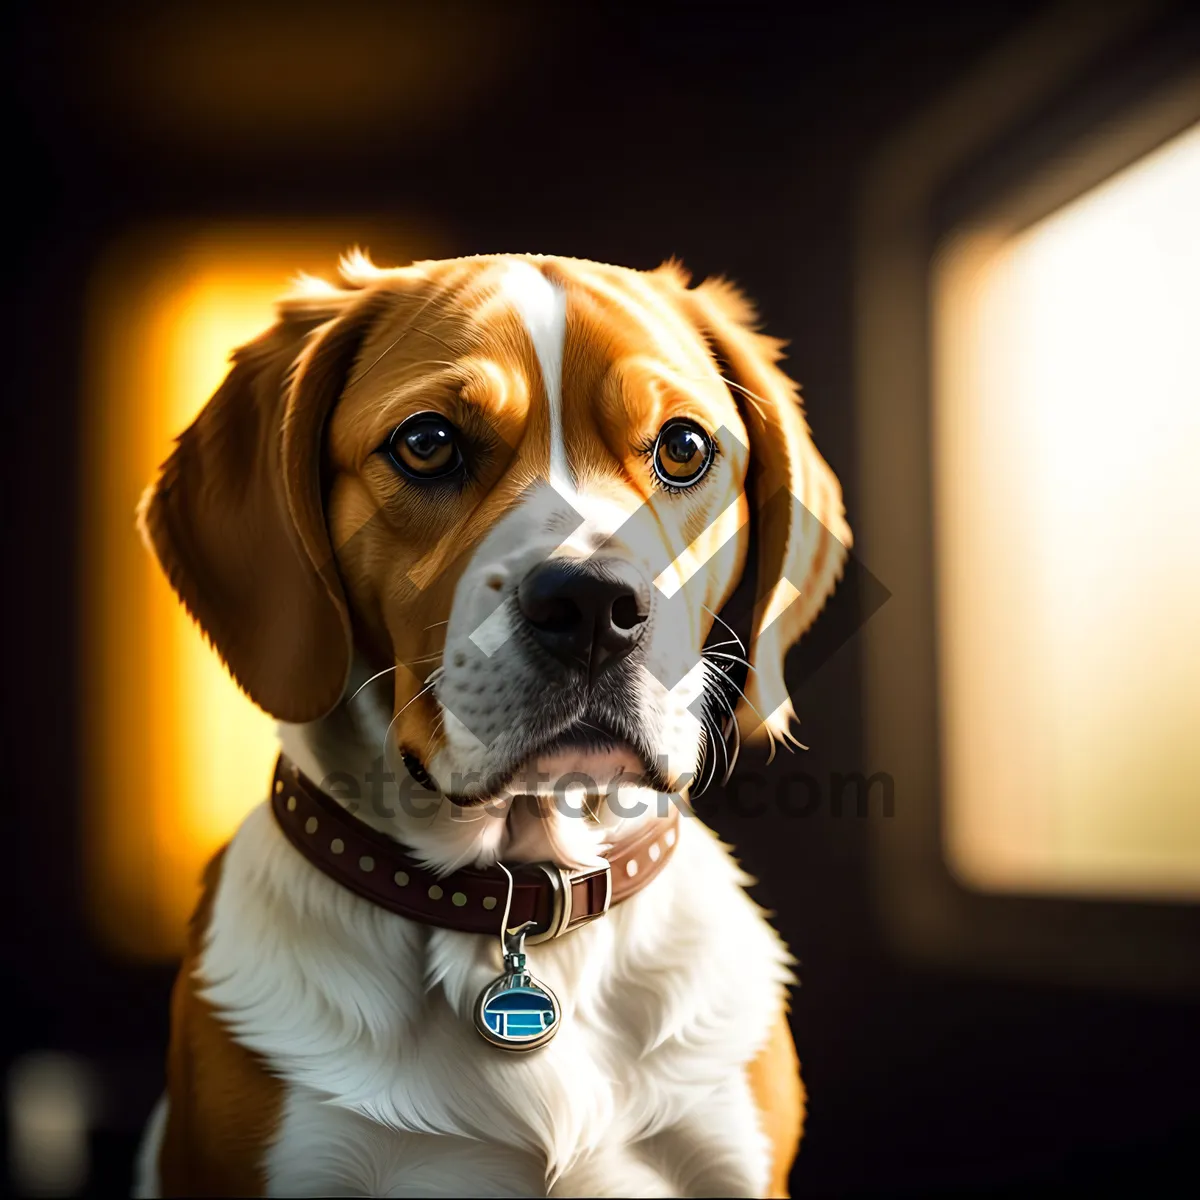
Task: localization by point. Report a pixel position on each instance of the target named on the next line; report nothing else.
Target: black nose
(587, 614)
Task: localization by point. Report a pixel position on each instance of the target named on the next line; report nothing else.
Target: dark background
(733, 136)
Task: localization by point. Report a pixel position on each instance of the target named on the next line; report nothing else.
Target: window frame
(1048, 116)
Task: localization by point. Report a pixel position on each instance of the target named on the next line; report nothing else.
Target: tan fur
(779, 1096)
(236, 517)
(292, 541)
(804, 544)
(632, 361)
(274, 524)
(224, 1106)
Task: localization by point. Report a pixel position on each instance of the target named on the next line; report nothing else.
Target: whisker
(425, 658)
(746, 699)
(378, 675)
(388, 732)
(732, 631)
(736, 731)
(718, 692)
(731, 731)
(753, 397)
(730, 657)
(711, 757)
(724, 752)
(428, 687)
(703, 777)
(731, 682)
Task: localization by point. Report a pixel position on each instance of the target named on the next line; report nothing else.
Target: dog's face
(527, 485)
(512, 485)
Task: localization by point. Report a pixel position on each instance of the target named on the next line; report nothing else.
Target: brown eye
(682, 453)
(425, 447)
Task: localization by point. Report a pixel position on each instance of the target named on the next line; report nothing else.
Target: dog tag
(516, 1011)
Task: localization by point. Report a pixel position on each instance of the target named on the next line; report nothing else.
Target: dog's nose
(587, 614)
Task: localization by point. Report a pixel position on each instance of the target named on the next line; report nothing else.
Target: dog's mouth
(585, 757)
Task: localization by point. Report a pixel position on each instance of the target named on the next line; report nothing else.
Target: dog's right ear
(236, 517)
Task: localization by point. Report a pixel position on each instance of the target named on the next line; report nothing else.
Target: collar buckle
(568, 912)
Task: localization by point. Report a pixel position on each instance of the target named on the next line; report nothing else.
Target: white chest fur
(389, 1089)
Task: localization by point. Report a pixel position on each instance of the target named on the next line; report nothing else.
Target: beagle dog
(465, 529)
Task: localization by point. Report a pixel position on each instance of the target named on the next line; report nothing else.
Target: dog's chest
(388, 1087)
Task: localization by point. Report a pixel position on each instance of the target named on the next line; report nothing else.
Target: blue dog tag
(516, 1011)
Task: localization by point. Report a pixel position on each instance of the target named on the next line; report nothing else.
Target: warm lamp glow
(176, 754)
(1067, 504)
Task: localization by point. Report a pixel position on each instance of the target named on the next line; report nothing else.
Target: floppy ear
(801, 528)
(236, 517)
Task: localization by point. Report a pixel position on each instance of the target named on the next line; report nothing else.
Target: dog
(466, 527)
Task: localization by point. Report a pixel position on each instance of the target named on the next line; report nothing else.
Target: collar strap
(470, 900)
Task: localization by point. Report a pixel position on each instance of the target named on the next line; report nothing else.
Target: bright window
(1067, 516)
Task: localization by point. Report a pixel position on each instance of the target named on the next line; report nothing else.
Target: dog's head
(526, 484)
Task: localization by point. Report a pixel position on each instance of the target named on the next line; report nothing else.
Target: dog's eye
(682, 453)
(425, 447)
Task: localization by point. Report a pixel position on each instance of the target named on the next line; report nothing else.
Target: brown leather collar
(471, 900)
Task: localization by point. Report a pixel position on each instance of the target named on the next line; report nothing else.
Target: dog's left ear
(800, 522)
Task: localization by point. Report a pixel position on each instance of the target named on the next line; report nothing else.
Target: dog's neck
(349, 754)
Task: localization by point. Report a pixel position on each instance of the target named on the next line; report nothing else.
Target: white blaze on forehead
(542, 306)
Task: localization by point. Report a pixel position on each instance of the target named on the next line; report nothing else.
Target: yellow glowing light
(1067, 504)
(176, 755)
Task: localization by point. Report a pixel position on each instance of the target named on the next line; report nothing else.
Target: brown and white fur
(322, 1045)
